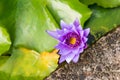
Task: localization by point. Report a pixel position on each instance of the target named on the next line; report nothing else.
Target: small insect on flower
(72, 40)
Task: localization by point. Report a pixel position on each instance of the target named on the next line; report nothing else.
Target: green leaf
(103, 3)
(68, 11)
(34, 19)
(4, 41)
(30, 19)
(102, 21)
(27, 64)
(3, 59)
(7, 16)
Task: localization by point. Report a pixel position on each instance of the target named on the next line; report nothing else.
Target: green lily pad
(36, 19)
(4, 41)
(3, 59)
(28, 65)
(32, 21)
(28, 21)
(7, 16)
(68, 11)
(102, 21)
(103, 3)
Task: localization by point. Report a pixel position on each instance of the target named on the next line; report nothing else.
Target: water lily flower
(72, 40)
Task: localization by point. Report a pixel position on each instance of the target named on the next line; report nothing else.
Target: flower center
(72, 40)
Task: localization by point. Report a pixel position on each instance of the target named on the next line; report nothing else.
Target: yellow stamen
(72, 40)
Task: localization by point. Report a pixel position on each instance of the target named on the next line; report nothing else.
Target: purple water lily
(72, 41)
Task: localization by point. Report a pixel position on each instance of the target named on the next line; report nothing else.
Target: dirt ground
(101, 61)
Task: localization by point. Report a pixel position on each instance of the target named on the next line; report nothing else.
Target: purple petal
(60, 31)
(61, 38)
(85, 46)
(76, 58)
(82, 44)
(85, 39)
(63, 31)
(69, 57)
(61, 46)
(75, 51)
(81, 33)
(76, 22)
(81, 50)
(73, 29)
(66, 31)
(64, 25)
(53, 34)
(64, 50)
(86, 32)
(79, 28)
(62, 59)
